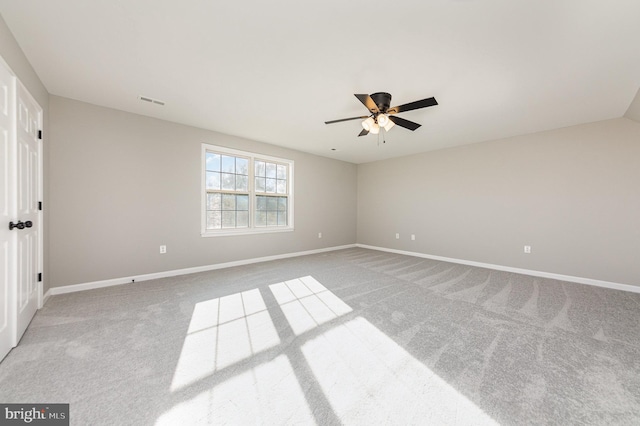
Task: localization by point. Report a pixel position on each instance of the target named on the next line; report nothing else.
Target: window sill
(252, 231)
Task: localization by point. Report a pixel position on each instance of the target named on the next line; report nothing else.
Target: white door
(7, 208)
(20, 193)
(29, 123)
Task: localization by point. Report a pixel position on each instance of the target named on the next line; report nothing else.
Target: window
(245, 192)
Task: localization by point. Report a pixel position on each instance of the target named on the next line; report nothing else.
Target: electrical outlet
(163, 249)
(527, 249)
(397, 236)
(413, 237)
(319, 234)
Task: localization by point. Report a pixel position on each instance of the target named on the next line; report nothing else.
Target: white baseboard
(145, 277)
(579, 280)
(46, 297)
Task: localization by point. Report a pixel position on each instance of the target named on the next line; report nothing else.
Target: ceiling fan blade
(364, 132)
(346, 119)
(413, 105)
(368, 102)
(404, 123)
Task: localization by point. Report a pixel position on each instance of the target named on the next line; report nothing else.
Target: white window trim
(204, 232)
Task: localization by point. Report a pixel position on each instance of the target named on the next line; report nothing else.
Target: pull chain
(382, 132)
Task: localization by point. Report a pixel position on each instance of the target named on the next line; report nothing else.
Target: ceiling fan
(384, 116)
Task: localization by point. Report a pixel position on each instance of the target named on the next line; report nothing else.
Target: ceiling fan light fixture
(368, 124)
(389, 125)
(375, 129)
(383, 120)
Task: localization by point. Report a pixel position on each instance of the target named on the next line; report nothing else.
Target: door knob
(20, 225)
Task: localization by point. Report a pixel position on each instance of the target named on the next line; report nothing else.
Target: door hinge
(40, 277)
(39, 205)
(39, 134)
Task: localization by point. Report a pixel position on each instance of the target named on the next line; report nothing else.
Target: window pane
(242, 219)
(260, 169)
(272, 218)
(228, 164)
(214, 220)
(272, 203)
(261, 218)
(242, 166)
(213, 162)
(282, 218)
(282, 172)
(228, 202)
(229, 219)
(242, 183)
(242, 202)
(214, 202)
(228, 191)
(228, 181)
(271, 170)
(213, 180)
(271, 186)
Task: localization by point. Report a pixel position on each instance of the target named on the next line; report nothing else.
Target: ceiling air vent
(151, 100)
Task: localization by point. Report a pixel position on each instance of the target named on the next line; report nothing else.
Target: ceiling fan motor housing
(382, 100)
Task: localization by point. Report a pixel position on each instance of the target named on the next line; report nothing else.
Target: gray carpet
(348, 337)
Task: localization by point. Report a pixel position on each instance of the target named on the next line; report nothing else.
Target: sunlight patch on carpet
(222, 332)
(266, 394)
(307, 304)
(370, 379)
(350, 370)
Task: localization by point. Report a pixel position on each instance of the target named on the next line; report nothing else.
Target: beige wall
(17, 61)
(13, 56)
(572, 194)
(123, 184)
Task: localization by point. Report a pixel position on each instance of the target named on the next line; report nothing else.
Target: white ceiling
(274, 71)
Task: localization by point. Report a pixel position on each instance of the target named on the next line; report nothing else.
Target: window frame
(253, 157)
